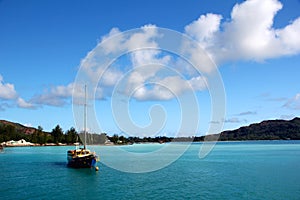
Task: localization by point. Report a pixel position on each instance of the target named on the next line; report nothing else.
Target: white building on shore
(18, 143)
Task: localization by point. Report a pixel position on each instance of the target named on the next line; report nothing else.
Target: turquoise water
(233, 170)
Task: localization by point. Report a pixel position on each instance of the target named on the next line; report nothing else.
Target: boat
(82, 157)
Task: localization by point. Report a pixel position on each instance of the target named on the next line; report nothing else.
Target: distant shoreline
(265, 130)
(55, 145)
(70, 145)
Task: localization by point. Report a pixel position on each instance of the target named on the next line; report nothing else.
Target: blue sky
(255, 45)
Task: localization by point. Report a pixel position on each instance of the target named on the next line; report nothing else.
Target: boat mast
(85, 115)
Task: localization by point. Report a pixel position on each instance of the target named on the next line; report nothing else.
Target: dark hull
(87, 161)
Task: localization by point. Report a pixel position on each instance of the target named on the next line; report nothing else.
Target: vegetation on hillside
(266, 130)
(13, 131)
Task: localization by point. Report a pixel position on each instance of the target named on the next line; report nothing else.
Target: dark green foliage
(71, 136)
(130, 140)
(9, 132)
(114, 138)
(57, 134)
(13, 131)
(266, 130)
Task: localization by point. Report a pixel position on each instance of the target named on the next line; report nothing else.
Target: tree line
(57, 135)
(266, 130)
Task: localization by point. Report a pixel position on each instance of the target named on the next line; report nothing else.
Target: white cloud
(248, 35)
(23, 104)
(204, 28)
(199, 57)
(290, 37)
(169, 87)
(198, 83)
(49, 99)
(247, 113)
(250, 30)
(96, 66)
(135, 41)
(293, 103)
(110, 77)
(61, 95)
(147, 57)
(7, 90)
(235, 120)
(9, 95)
(143, 39)
(112, 45)
(147, 65)
(57, 96)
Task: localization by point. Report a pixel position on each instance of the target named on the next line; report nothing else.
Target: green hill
(266, 130)
(15, 131)
(18, 127)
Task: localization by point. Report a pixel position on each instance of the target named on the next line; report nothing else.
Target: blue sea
(232, 170)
